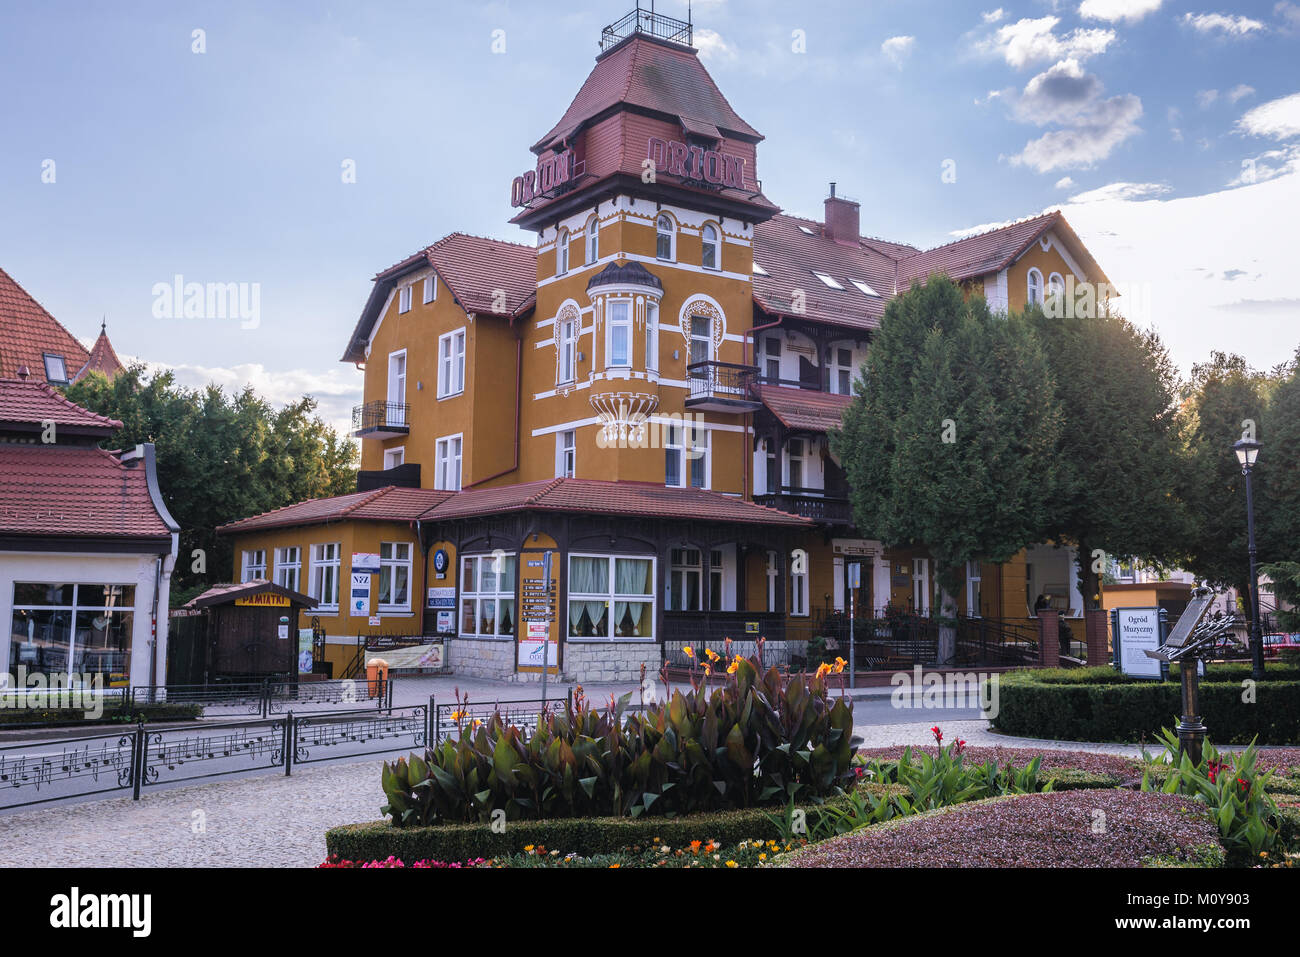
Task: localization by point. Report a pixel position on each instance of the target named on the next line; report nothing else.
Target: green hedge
(1044, 705)
(111, 715)
(377, 840)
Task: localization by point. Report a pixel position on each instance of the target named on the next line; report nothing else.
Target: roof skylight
(828, 280)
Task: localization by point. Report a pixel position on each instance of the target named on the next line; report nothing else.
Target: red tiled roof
(227, 593)
(599, 497)
(34, 402)
(103, 358)
(27, 332)
(75, 490)
(977, 255)
(387, 504)
(803, 409)
(662, 77)
(789, 255)
(473, 268)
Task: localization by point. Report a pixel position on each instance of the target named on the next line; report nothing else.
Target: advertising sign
(446, 622)
(1138, 631)
(441, 596)
(365, 562)
(532, 649)
(305, 661)
(264, 600)
(360, 604)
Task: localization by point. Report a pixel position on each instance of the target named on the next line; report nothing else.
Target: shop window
(487, 596)
(81, 631)
(611, 597)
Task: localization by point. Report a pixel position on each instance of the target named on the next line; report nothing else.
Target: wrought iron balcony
(809, 503)
(648, 22)
(381, 420)
(721, 387)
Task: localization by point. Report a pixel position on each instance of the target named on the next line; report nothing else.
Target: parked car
(1279, 642)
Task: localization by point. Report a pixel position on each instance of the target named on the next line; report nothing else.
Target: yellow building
(613, 443)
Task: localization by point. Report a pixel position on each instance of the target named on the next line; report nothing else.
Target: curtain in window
(632, 576)
(589, 576)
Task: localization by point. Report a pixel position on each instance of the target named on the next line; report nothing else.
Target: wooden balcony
(810, 503)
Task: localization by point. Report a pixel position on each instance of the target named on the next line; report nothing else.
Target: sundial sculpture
(1196, 638)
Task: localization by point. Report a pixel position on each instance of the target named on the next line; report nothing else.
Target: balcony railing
(648, 22)
(381, 420)
(817, 506)
(721, 387)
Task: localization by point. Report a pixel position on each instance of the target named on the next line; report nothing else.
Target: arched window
(665, 233)
(1035, 295)
(711, 256)
(1055, 285)
(593, 240)
(562, 253)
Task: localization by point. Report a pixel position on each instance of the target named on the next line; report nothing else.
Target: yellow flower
(840, 664)
(528, 848)
(733, 667)
(614, 866)
(732, 864)
(762, 857)
(688, 651)
(711, 654)
(823, 670)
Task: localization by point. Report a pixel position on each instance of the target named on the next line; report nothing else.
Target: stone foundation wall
(481, 658)
(610, 660)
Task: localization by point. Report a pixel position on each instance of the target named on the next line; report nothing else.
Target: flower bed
(1063, 829)
(1070, 769)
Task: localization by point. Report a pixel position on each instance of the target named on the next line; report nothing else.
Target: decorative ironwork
(355, 734)
(231, 748)
(57, 770)
(379, 416)
(648, 22)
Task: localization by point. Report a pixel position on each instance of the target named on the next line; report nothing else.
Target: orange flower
(733, 667)
(823, 670)
(711, 654)
(840, 665)
(688, 651)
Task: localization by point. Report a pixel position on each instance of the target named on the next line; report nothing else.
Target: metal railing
(266, 697)
(720, 380)
(819, 507)
(381, 415)
(647, 22)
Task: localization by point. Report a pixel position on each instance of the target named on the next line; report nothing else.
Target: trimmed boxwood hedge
(19, 717)
(1104, 706)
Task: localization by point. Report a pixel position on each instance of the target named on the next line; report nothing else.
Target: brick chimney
(841, 219)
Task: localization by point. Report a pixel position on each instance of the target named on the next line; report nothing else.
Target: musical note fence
(135, 758)
(269, 696)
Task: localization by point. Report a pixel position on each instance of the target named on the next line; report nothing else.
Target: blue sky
(1135, 116)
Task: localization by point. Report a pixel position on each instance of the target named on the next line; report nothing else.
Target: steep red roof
(803, 409)
(473, 268)
(28, 332)
(103, 358)
(387, 504)
(653, 75)
(34, 402)
(977, 255)
(227, 594)
(75, 490)
(599, 497)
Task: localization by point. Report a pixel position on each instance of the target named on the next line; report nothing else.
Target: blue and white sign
(360, 604)
(441, 597)
(365, 562)
(440, 561)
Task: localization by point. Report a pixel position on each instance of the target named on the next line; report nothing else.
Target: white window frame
(396, 387)
(715, 244)
(676, 437)
(612, 597)
(613, 320)
(567, 371)
(1055, 286)
(837, 368)
(974, 583)
(562, 253)
(566, 453)
(652, 337)
(451, 363)
(593, 240)
(827, 280)
(404, 298)
(325, 565)
(1034, 287)
(393, 563)
(680, 568)
(256, 568)
(448, 450)
(760, 270)
(865, 288)
(478, 595)
(709, 351)
(288, 567)
(430, 289)
(394, 457)
(671, 233)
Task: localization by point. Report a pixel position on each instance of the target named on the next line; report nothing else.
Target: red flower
(960, 746)
(938, 735)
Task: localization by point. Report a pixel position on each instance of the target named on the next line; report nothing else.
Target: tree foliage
(950, 441)
(220, 457)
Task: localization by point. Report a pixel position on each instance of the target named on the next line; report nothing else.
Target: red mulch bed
(1092, 761)
(1033, 830)
(1285, 760)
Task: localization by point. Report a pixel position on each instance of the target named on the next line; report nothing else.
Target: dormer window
(712, 255)
(1034, 293)
(404, 299)
(665, 235)
(593, 240)
(56, 370)
(562, 253)
(828, 281)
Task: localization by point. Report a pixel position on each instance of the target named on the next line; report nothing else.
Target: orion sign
(552, 171)
(697, 163)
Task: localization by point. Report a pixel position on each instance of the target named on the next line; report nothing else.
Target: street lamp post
(1247, 451)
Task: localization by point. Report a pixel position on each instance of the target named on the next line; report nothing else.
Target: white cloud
(898, 48)
(1278, 118)
(1064, 182)
(1124, 191)
(1205, 98)
(713, 47)
(1068, 96)
(993, 16)
(1288, 13)
(1240, 91)
(1114, 10)
(1030, 41)
(1268, 165)
(1222, 23)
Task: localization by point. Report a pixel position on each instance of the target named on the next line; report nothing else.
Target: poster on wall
(532, 649)
(365, 562)
(305, 659)
(1138, 631)
(360, 605)
(446, 622)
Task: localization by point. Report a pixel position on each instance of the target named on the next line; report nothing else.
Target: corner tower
(644, 197)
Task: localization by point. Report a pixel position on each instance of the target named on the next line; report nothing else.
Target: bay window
(487, 596)
(611, 597)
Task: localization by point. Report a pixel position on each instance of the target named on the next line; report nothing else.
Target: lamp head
(1247, 451)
